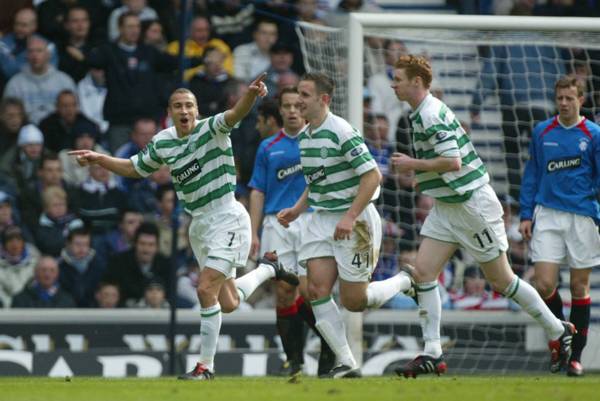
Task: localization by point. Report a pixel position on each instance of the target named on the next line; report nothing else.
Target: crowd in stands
(83, 74)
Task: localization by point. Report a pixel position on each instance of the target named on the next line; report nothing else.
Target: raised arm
(122, 167)
(244, 105)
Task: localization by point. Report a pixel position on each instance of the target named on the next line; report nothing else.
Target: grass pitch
(455, 388)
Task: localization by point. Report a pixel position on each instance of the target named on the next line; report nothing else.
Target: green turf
(526, 388)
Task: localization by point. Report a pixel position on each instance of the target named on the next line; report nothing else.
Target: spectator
(91, 91)
(398, 206)
(49, 174)
(162, 217)
(76, 44)
(100, 201)
(132, 78)
(187, 284)
(131, 268)
(384, 101)
(138, 8)
(253, 58)
(282, 59)
(12, 118)
(107, 296)
(232, 21)
(9, 216)
(376, 138)
(80, 268)
(152, 35)
(13, 45)
(287, 79)
(143, 131)
(59, 127)
(142, 193)
(20, 164)
(54, 222)
(39, 83)
(200, 39)
(122, 238)
(154, 295)
(44, 291)
(73, 173)
(473, 294)
(17, 261)
(208, 86)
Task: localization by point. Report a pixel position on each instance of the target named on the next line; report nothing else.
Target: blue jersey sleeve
(259, 173)
(531, 179)
(596, 172)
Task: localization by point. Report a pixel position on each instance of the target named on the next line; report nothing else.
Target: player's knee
(578, 290)
(229, 307)
(206, 294)
(544, 286)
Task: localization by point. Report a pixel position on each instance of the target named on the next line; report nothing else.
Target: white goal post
(358, 22)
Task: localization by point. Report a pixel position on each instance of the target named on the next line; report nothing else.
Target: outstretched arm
(244, 105)
(122, 167)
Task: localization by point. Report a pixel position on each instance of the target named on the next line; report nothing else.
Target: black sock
(580, 317)
(285, 323)
(555, 304)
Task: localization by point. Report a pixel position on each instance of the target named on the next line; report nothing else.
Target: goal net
(497, 74)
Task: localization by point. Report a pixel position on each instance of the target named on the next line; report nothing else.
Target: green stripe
(426, 289)
(514, 291)
(467, 178)
(326, 134)
(456, 198)
(331, 204)
(210, 313)
(206, 178)
(351, 143)
(168, 143)
(316, 152)
(469, 158)
(448, 138)
(321, 301)
(443, 111)
(338, 186)
(431, 154)
(364, 158)
(152, 153)
(243, 293)
(144, 166)
(211, 196)
(210, 124)
(434, 129)
(431, 184)
(209, 156)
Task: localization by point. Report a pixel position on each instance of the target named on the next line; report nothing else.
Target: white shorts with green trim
(475, 224)
(357, 257)
(285, 241)
(220, 238)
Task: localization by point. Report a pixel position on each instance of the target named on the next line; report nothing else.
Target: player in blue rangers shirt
(277, 182)
(560, 210)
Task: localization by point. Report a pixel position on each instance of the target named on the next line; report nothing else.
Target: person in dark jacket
(132, 268)
(60, 127)
(80, 268)
(132, 78)
(44, 291)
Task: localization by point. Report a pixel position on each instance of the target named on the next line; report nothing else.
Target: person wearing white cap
(21, 162)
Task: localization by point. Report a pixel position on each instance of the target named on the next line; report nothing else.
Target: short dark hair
(270, 108)
(162, 190)
(12, 102)
(75, 8)
(147, 228)
(79, 231)
(48, 156)
(126, 210)
(66, 92)
(126, 15)
(323, 83)
(286, 90)
(568, 81)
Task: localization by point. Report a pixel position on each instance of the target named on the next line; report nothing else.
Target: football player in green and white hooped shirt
(200, 159)
(342, 237)
(466, 214)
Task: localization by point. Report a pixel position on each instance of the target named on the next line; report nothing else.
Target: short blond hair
(53, 193)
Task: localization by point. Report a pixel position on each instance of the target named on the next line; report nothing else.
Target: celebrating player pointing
(200, 159)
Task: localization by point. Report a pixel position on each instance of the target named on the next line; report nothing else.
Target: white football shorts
(285, 241)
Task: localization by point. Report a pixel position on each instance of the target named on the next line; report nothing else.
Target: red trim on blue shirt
(550, 127)
(279, 137)
(584, 128)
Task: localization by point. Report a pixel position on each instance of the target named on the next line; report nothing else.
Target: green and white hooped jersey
(201, 164)
(437, 132)
(333, 157)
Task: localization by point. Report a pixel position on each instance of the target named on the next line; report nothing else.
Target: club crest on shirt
(323, 152)
(583, 144)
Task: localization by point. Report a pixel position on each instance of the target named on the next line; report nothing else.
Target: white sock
(532, 303)
(249, 282)
(379, 292)
(330, 324)
(210, 326)
(430, 315)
